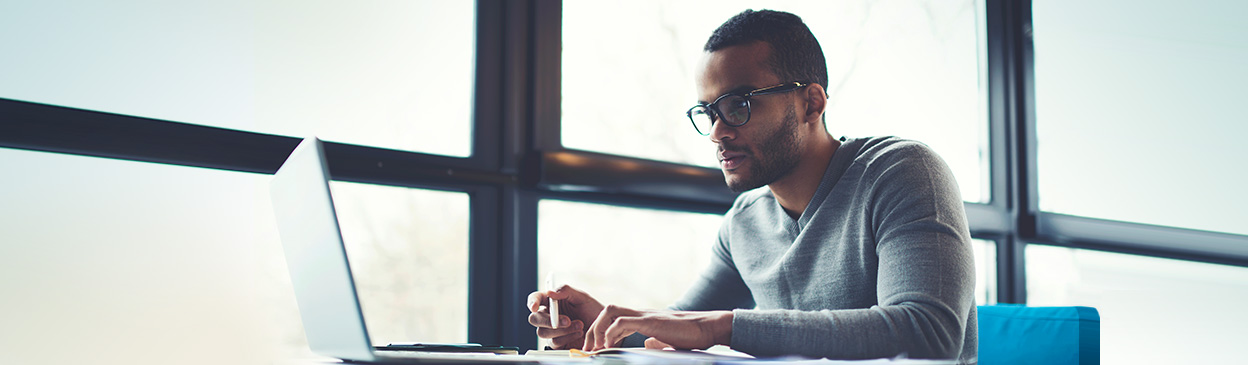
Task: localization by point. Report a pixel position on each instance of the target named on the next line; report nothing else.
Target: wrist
(722, 324)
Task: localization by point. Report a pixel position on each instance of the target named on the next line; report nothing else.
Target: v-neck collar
(841, 160)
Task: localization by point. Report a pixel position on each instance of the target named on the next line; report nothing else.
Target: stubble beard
(776, 156)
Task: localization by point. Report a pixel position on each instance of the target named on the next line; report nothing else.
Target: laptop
(324, 288)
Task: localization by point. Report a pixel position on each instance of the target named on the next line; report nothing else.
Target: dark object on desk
(449, 347)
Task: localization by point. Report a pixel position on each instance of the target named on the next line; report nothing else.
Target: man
(857, 248)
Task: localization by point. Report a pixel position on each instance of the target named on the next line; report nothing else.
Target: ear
(816, 100)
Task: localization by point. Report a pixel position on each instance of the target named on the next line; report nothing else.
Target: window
(985, 271)
(352, 72)
(893, 70)
(1146, 303)
(124, 259)
(654, 255)
(408, 251)
(1136, 111)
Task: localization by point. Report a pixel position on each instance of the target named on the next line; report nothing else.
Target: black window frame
(518, 159)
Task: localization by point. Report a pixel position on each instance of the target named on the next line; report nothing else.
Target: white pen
(554, 304)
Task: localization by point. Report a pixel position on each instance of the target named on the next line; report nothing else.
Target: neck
(794, 191)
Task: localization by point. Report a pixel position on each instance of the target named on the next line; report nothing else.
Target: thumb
(570, 294)
(654, 343)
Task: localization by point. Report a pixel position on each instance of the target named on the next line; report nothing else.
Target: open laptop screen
(315, 255)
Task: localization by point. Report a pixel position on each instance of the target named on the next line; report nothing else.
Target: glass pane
(985, 271)
(1137, 109)
(408, 250)
(893, 70)
(1186, 308)
(129, 260)
(655, 255)
(358, 72)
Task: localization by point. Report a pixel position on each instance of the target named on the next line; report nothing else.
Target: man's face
(765, 149)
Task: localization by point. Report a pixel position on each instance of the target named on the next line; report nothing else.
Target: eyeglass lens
(734, 110)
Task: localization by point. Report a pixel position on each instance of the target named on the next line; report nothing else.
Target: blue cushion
(1016, 334)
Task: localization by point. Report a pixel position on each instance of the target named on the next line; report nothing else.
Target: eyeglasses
(732, 108)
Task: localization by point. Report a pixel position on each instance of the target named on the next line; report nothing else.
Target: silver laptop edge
(316, 257)
(324, 288)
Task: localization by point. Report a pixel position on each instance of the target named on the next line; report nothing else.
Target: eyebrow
(740, 90)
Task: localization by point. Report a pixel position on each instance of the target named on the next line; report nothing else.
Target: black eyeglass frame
(715, 114)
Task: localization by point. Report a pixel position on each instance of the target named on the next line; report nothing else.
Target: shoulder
(748, 207)
(748, 200)
(877, 150)
(888, 157)
(901, 165)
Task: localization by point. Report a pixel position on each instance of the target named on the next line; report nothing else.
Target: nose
(721, 132)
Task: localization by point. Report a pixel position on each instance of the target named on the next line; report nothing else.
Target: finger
(597, 331)
(564, 291)
(565, 328)
(540, 318)
(536, 300)
(589, 338)
(654, 343)
(592, 335)
(622, 327)
(572, 339)
(567, 342)
(556, 333)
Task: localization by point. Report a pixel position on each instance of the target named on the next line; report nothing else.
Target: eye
(736, 110)
(734, 104)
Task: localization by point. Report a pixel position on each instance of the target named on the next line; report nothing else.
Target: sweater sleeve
(925, 278)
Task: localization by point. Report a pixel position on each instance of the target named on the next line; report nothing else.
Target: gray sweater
(878, 265)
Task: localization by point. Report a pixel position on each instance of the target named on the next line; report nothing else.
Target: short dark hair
(795, 53)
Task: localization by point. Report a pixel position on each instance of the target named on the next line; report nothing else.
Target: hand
(576, 308)
(683, 330)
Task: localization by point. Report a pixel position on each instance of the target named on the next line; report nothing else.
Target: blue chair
(1016, 334)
